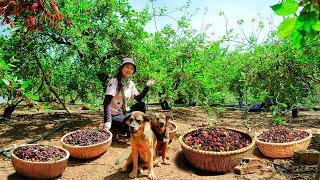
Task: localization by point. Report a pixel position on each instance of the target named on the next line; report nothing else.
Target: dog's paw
(166, 162)
(123, 169)
(158, 164)
(133, 174)
(152, 175)
(141, 171)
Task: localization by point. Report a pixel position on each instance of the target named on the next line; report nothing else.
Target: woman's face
(127, 70)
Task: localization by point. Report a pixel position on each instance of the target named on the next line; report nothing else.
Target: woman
(119, 91)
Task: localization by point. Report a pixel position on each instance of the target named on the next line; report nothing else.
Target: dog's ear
(147, 117)
(169, 117)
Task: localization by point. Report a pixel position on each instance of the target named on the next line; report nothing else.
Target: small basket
(172, 133)
(39, 170)
(216, 161)
(283, 150)
(87, 152)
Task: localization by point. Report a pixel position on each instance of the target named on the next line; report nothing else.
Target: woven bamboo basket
(87, 152)
(39, 170)
(283, 150)
(216, 161)
(172, 133)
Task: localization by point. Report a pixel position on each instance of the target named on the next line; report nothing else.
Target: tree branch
(50, 87)
(58, 40)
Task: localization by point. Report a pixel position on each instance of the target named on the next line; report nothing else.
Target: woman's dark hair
(118, 76)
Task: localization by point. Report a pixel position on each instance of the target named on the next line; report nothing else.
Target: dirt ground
(28, 124)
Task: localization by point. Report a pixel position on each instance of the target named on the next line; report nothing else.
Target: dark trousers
(121, 119)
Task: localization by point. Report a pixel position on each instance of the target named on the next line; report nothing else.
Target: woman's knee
(139, 106)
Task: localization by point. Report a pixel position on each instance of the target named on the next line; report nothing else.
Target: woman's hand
(101, 126)
(150, 83)
(104, 126)
(107, 126)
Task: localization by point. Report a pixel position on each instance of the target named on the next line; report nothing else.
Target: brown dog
(143, 144)
(159, 125)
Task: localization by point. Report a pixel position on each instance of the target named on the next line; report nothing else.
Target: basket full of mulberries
(85, 144)
(172, 130)
(217, 149)
(39, 161)
(282, 142)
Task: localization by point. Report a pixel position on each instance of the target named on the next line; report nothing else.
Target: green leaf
(6, 82)
(316, 26)
(2, 64)
(299, 24)
(286, 27)
(7, 154)
(306, 20)
(83, 5)
(25, 84)
(285, 8)
(297, 39)
(243, 74)
(308, 25)
(240, 22)
(35, 97)
(31, 96)
(280, 120)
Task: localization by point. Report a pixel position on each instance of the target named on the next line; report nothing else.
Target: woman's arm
(145, 90)
(107, 109)
(143, 93)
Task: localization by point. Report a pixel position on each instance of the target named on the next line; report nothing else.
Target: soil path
(28, 124)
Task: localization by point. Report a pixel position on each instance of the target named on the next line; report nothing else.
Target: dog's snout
(131, 128)
(161, 124)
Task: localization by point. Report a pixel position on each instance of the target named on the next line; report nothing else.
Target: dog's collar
(161, 137)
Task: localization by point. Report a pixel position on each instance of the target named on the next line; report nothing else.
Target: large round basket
(87, 152)
(39, 170)
(216, 161)
(282, 150)
(172, 133)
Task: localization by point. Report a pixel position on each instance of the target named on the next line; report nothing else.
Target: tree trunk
(73, 101)
(58, 98)
(9, 110)
(318, 171)
(164, 105)
(294, 112)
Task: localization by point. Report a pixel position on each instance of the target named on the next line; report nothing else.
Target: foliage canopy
(78, 54)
